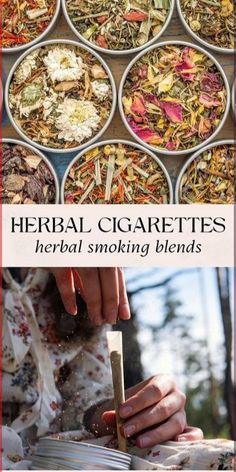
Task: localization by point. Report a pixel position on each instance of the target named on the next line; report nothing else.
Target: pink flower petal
(173, 111)
(185, 64)
(208, 101)
(171, 146)
(138, 106)
(146, 134)
(211, 83)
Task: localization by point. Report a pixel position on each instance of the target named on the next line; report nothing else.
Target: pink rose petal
(173, 111)
(138, 106)
(146, 134)
(208, 101)
(211, 83)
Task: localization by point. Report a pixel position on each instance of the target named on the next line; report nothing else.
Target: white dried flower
(63, 64)
(77, 119)
(100, 89)
(23, 71)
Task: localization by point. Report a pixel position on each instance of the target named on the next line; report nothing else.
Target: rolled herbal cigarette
(114, 339)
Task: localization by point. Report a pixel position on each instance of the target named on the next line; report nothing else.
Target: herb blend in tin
(214, 21)
(174, 97)
(122, 25)
(210, 177)
(116, 173)
(23, 21)
(26, 177)
(60, 96)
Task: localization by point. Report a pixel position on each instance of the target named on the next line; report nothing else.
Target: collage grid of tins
(173, 99)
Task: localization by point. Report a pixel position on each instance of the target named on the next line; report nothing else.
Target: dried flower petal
(178, 102)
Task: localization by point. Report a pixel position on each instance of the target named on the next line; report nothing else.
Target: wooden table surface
(117, 65)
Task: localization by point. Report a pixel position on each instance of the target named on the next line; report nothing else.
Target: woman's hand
(103, 290)
(154, 413)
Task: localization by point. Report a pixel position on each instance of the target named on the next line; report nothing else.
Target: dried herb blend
(116, 173)
(174, 97)
(210, 177)
(60, 96)
(122, 25)
(23, 21)
(213, 21)
(26, 178)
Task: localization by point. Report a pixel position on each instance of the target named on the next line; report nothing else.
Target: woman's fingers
(124, 309)
(190, 433)
(92, 292)
(65, 283)
(155, 389)
(156, 414)
(174, 426)
(110, 294)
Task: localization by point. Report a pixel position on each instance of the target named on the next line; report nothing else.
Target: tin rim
(192, 158)
(198, 38)
(128, 143)
(163, 150)
(113, 52)
(45, 159)
(40, 37)
(113, 105)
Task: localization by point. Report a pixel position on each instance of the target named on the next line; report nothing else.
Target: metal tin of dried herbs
(116, 172)
(28, 177)
(208, 175)
(64, 454)
(212, 23)
(27, 25)
(60, 96)
(119, 28)
(174, 97)
(233, 102)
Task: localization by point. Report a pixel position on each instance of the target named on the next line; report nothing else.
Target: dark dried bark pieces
(26, 177)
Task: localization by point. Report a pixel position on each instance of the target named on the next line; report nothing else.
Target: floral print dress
(49, 383)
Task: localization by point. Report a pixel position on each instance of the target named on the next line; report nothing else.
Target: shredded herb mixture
(126, 24)
(210, 177)
(60, 96)
(23, 21)
(26, 178)
(116, 173)
(214, 20)
(174, 97)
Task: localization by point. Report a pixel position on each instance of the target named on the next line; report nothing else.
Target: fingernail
(125, 311)
(72, 309)
(129, 430)
(181, 438)
(144, 441)
(125, 410)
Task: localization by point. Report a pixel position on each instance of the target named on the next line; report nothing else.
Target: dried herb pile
(23, 21)
(126, 24)
(174, 97)
(214, 20)
(210, 177)
(116, 173)
(60, 96)
(26, 178)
